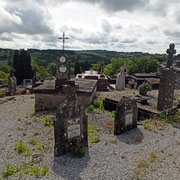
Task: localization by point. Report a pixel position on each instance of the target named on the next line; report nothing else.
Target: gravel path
(114, 157)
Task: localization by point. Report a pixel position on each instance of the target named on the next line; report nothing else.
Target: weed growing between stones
(48, 122)
(92, 133)
(2, 94)
(33, 141)
(152, 157)
(21, 147)
(142, 164)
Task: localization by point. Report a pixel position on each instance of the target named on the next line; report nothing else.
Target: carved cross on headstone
(63, 38)
(171, 51)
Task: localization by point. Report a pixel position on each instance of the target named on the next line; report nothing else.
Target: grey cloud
(175, 34)
(151, 42)
(6, 37)
(129, 40)
(32, 20)
(106, 26)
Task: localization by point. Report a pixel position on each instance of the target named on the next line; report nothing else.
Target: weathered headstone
(120, 82)
(70, 126)
(166, 90)
(126, 115)
(171, 51)
(12, 83)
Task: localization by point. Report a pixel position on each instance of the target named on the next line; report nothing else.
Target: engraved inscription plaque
(128, 119)
(73, 131)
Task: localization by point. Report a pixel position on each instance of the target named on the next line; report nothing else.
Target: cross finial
(171, 51)
(63, 38)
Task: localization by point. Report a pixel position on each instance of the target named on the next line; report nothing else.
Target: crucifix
(171, 51)
(63, 38)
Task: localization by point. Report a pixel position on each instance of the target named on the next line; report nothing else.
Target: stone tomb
(70, 126)
(166, 90)
(126, 115)
(47, 97)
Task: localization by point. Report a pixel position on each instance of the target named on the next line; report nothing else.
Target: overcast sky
(120, 25)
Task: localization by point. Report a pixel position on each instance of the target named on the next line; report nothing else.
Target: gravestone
(12, 83)
(166, 89)
(171, 51)
(126, 115)
(120, 82)
(70, 126)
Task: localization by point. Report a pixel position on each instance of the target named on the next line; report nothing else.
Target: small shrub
(9, 170)
(21, 147)
(145, 87)
(113, 113)
(20, 128)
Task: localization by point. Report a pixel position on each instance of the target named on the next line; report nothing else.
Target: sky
(116, 25)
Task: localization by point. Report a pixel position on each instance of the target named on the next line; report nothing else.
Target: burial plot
(70, 126)
(166, 90)
(126, 115)
(120, 82)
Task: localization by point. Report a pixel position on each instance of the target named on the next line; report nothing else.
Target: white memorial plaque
(73, 131)
(128, 119)
(62, 69)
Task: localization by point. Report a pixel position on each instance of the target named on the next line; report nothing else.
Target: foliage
(170, 118)
(113, 113)
(44, 170)
(145, 87)
(142, 164)
(78, 151)
(4, 77)
(115, 64)
(146, 126)
(22, 65)
(33, 141)
(21, 147)
(42, 73)
(77, 68)
(9, 170)
(92, 133)
(145, 64)
(98, 103)
(48, 121)
(90, 109)
(98, 66)
(153, 157)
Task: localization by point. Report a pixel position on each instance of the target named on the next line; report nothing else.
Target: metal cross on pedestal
(63, 38)
(171, 51)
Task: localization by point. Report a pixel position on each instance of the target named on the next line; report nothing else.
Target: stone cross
(70, 126)
(171, 51)
(166, 90)
(126, 115)
(63, 38)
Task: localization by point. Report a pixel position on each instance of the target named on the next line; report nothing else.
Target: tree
(77, 68)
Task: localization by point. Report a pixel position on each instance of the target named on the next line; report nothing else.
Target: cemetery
(92, 126)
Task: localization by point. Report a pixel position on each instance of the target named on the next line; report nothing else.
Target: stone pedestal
(166, 90)
(126, 115)
(70, 126)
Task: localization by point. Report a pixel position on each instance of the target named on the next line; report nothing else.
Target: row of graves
(71, 96)
(148, 105)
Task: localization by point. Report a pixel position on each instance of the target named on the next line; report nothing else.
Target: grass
(152, 157)
(10, 170)
(112, 114)
(33, 141)
(142, 164)
(48, 121)
(146, 126)
(170, 118)
(21, 147)
(35, 119)
(92, 133)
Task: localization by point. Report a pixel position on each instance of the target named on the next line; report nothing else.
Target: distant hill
(44, 57)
